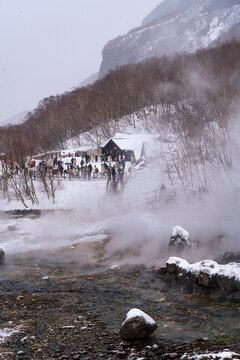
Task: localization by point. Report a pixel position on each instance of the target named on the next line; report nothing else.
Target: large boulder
(180, 238)
(204, 277)
(2, 254)
(138, 325)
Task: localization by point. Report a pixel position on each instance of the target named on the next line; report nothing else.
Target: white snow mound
(179, 231)
(231, 270)
(136, 312)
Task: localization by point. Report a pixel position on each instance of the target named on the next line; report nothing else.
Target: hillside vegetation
(191, 89)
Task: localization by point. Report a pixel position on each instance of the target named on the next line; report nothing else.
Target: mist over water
(134, 236)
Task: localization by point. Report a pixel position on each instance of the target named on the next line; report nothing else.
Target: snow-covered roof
(132, 142)
(64, 151)
(72, 151)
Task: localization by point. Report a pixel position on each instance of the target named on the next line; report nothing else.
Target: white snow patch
(91, 238)
(222, 355)
(5, 333)
(69, 327)
(136, 312)
(113, 267)
(47, 277)
(179, 231)
(210, 267)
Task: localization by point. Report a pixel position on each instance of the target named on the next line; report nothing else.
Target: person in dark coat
(109, 176)
(89, 171)
(121, 175)
(85, 172)
(113, 173)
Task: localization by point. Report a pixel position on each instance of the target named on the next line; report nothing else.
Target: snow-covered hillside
(141, 122)
(175, 26)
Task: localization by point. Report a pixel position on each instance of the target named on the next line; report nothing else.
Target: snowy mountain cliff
(175, 26)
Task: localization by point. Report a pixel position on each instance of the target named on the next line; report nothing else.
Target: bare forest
(202, 88)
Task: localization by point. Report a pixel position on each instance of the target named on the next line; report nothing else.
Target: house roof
(132, 142)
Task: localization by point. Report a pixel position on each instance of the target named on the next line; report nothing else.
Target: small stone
(20, 352)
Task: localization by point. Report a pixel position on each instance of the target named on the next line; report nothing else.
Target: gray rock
(228, 257)
(234, 296)
(202, 283)
(137, 327)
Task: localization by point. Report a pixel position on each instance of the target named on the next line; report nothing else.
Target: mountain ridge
(186, 28)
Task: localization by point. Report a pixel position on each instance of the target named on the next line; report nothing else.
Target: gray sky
(50, 46)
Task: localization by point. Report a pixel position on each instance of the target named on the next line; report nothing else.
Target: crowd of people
(98, 167)
(115, 176)
(86, 167)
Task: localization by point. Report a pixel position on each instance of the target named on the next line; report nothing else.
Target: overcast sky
(50, 46)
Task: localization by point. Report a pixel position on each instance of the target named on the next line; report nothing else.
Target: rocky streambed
(78, 316)
(70, 302)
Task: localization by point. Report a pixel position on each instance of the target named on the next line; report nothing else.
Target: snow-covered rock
(210, 267)
(204, 277)
(180, 238)
(175, 26)
(138, 325)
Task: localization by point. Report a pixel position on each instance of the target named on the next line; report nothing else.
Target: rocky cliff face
(166, 8)
(175, 26)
